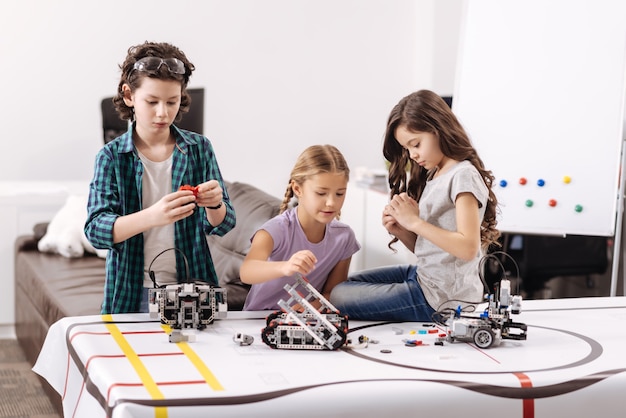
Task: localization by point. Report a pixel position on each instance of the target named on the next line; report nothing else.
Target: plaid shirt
(116, 190)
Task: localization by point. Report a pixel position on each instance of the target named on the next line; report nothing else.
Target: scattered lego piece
(177, 336)
(413, 343)
(397, 331)
(243, 339)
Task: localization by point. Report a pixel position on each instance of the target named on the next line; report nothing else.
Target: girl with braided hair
(307, 239)
(442, 208)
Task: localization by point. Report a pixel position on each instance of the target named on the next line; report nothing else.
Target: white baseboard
(7, 331)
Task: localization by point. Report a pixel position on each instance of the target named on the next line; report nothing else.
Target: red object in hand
(190, 188)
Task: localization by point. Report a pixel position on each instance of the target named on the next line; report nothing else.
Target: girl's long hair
(425, 111)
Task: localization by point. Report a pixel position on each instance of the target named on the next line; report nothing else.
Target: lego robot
(300, 326)
(188, 305)
(490, 327)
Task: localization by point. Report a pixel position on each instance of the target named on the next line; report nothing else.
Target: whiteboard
(540, 90)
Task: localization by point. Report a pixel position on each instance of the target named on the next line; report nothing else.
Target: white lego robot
(300, 326)
(493, 325)
(185, 305)
(188, 305)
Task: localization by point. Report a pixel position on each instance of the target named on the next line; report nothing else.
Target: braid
(288, 196)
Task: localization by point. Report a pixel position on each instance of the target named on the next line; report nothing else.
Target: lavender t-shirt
(338, 244)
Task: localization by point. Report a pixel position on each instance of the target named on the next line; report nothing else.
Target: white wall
(279, 75)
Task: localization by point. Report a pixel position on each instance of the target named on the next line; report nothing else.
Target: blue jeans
(383, 294)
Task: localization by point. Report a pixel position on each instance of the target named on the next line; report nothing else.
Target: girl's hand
(209, 194)
(404, 210)
(302, 262)
(390, 224)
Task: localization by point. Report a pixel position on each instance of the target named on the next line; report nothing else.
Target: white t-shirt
(156, 183)
(442, 276)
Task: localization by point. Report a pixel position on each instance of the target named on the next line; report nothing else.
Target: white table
(573, 364)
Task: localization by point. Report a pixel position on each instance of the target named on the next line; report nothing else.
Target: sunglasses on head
(174, 65)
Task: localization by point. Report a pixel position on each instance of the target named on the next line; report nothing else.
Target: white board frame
(540, 89)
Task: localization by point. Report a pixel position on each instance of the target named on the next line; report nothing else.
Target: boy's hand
(173, 207)
(209, 194)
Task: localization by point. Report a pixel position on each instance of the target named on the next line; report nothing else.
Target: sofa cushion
(253, 207)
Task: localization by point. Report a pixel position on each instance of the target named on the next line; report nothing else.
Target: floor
(21, 394)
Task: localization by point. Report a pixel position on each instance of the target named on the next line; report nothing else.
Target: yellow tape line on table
(208, 376)
(133, 358)
(146, 379)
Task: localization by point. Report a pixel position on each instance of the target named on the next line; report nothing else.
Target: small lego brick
(243, 339)
(177, 336)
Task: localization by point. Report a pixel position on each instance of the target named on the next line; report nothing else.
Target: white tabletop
(572, 364)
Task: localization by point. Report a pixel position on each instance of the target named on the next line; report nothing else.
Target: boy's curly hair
(134, 78)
